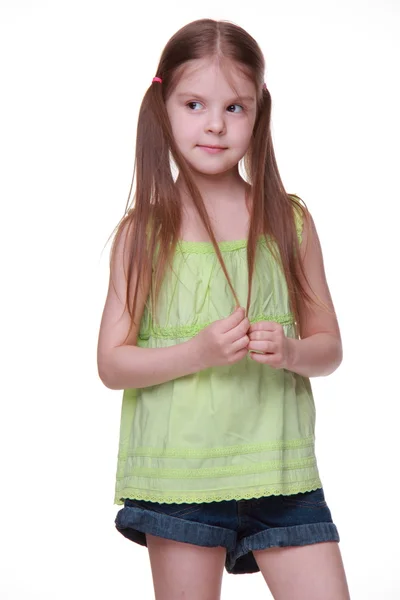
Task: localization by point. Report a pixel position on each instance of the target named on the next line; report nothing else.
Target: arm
(122, 364)
(133, 367)
(316, 355)
(319, 351)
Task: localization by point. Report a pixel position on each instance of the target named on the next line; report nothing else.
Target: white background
(73, 74)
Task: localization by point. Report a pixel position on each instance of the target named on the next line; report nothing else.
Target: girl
(216, 463)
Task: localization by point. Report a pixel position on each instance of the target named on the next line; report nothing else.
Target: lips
(212, 147)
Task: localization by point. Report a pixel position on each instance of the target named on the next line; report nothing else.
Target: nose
(215, 123)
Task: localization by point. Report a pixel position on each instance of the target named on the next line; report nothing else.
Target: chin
(211, 169)
(211, 172)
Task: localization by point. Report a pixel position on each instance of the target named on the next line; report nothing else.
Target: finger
(233, 320)
(265, 359)
(263, 326)
(263, 346)
(261, 335)
(240, 330)
(240, 355)
(240, 344)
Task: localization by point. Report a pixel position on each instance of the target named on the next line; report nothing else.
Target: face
(212, 124)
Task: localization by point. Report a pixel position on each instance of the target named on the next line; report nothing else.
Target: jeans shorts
(240, 526)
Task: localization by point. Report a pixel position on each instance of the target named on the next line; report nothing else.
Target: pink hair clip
(264, 86)
(158, 79)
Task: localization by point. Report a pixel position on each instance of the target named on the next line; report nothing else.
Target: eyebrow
(195, 95)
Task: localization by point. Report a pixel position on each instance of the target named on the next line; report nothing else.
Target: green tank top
(228, 432)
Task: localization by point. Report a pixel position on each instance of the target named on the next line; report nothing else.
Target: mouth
(213, 147)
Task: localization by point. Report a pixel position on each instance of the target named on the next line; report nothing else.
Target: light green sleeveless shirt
(228, 432)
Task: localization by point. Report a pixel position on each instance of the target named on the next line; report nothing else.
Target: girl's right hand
(223, 342)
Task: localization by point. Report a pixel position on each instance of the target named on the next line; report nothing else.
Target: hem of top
(216, 495)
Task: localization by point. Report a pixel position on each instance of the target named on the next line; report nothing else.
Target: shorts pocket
(184, 512)
(173, 510)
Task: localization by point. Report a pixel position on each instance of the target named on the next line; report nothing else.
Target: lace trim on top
(253, 492)
(207, 472)
(183, 331)
(238, 450)
(186, 247)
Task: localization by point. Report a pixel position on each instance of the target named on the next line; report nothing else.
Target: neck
(218, 189)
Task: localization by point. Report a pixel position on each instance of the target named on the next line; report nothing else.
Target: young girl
(216, 463)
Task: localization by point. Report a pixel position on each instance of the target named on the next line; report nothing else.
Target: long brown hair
(153, 221)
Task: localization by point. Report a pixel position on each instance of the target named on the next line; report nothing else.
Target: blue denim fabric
(240, 526)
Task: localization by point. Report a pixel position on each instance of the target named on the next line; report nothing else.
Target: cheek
(182, 130)
(241, 134)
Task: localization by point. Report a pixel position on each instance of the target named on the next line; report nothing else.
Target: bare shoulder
(314, 319)
(116, 321)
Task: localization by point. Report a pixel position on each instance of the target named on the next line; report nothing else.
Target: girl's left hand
(269, 337)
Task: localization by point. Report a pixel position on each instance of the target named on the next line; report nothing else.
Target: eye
(190, 104)
(237, 105)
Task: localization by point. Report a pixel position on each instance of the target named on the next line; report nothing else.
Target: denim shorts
(240, 526)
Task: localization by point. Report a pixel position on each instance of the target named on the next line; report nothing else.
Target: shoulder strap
(298, 216)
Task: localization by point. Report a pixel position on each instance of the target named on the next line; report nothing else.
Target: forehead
(211, 77)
